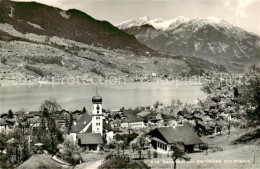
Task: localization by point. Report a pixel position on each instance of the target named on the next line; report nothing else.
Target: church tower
(97, 115)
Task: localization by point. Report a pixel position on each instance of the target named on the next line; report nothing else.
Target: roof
(158, 140)
(3, 115)
(35, 113)
(143, 113)
(3, 123)
(183, 134)
(82, 122)
(34, 121)
(208, 100)
(183, 112)
(133, 118)
(90, 138)
(97, 99)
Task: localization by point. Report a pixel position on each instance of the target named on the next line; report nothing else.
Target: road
(89, 165)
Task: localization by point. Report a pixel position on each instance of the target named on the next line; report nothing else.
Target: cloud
(239, 7)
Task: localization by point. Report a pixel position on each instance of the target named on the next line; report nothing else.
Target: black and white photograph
(129, 84)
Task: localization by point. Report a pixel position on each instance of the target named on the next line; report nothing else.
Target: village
(142, 137)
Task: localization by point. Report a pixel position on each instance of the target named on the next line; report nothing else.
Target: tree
(133, 146)
(178, 153)
(156, 104)
(173, 103)
(3, 60)
(252, 100)
(71, 153)
(140, 145)
(206, 89)
(51, 105)
(70, 122)
(84, 110)
(179, 102)
(149, 154)
(51, 132)
(10, 114)
(236, 94)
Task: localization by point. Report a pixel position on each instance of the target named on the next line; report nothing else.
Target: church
(91, 130)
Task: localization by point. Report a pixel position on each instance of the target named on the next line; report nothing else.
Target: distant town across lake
(75, 97)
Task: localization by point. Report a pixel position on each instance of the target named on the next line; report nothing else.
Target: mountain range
(210, 38)
(37, 40)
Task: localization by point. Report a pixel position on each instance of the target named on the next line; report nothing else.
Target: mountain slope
(32, 17)
(210, 38)
(40, 42)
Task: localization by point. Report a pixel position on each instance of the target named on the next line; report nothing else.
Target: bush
(98, 72)
(123, 137)
(3, 60)
(149, 154)
(206, 89)
(34, 69)
(248, 137)
(204, 147)
(109, 156)
(44, 59)
(155, 154)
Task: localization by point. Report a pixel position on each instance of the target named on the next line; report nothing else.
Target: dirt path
(89, 165)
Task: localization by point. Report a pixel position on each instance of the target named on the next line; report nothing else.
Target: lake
(73, 97)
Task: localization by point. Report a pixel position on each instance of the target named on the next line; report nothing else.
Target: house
(7, 125)
(163, 138)
(4, 127)
(90, 141)
(132, 121)
(63, 117)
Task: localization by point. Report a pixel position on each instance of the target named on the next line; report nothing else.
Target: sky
(242, 13)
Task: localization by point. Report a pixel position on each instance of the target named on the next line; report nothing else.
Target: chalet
(163, 138)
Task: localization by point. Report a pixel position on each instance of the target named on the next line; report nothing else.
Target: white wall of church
(97, 119)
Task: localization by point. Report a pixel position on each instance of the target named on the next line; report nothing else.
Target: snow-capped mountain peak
(157, 23)
(214, 19)
(200, 37)
(171, 24)
(133, 22)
